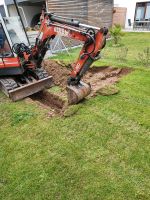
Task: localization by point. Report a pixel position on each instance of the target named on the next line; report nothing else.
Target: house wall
(98, 13)
(130, 5)
(119, 16)
(101, 13)
(76, 9)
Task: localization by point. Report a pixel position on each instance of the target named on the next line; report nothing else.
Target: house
(30, 10)
(128, 13)
(97, 13)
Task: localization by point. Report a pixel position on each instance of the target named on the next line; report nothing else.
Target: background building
(30, 10)
(97, 12)
(126, 12)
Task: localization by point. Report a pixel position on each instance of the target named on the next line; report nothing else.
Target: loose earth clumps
(100, 78)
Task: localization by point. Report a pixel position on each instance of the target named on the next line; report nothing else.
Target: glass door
(140, 13)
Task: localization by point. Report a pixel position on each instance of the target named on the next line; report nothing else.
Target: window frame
(143, 4)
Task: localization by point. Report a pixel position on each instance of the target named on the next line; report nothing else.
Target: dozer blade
(29, 89)
(78, 92)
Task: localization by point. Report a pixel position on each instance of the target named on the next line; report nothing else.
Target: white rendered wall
(130, 5)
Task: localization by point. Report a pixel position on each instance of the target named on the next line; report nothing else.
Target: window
(142, 11)
(15, 30)
(147, 14)
(5, 49)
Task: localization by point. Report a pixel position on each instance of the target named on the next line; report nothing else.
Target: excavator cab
(9, 62)
(5, 49)
(15, 81)
(15, 30)
(11, 32)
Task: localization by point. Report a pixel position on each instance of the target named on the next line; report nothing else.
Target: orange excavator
(21, 72)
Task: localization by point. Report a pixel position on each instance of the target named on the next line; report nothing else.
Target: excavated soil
(58, 71)
(98, 77)
(48, 99)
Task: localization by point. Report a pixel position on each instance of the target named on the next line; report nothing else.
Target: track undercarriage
(17, 88)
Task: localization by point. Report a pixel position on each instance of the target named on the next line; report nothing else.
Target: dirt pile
(98, 77)
(59, 72)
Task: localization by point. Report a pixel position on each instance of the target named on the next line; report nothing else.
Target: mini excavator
(21, 71)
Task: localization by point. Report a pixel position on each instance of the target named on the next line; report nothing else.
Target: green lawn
(100, 153)
(134, 42)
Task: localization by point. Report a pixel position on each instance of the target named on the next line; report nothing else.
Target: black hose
(93, 40)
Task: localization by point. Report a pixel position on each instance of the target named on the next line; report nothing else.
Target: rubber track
(8, 83)
(11, 84)
(41, 73)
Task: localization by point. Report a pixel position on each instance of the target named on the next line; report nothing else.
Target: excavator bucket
(27, 89)
(78, 92)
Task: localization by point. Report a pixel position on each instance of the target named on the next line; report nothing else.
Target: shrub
(116, 34)
(144, 57)
(122, 54)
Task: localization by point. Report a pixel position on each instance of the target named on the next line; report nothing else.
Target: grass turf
(102, 152)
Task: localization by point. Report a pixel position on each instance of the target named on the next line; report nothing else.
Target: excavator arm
(94, 40)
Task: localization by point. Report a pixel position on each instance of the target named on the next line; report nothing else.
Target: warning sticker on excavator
(61, 31)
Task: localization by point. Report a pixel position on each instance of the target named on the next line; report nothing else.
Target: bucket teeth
(78, 92)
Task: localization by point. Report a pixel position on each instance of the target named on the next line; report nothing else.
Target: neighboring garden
(101, 152)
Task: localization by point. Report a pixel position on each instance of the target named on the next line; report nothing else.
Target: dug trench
(55, 100)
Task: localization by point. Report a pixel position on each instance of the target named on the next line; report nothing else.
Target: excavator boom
(94, 40)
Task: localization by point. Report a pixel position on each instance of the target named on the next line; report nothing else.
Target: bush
(144, 57)
(122, 54)
(116, 34)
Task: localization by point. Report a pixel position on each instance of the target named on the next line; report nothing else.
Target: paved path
(136, 30)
